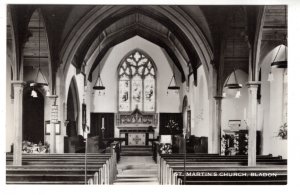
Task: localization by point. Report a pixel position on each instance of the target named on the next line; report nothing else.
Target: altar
(136, 127)
(136, 137)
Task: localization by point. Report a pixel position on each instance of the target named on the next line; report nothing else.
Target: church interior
(146, 94)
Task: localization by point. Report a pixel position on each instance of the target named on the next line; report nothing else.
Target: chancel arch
(188, 38)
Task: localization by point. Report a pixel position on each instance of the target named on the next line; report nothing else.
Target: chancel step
(136, 151)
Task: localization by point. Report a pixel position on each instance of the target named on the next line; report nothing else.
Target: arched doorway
(72, 109)
(33, 116)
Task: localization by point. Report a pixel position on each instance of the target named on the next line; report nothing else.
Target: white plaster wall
(234, 108)
(272, 104)
(108, 102)
(199, 105)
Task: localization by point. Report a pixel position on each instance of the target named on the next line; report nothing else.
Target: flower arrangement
(283, 131)
(165, 148)
(229, 144)
(31, 148)
(172, 126)
(234, 144)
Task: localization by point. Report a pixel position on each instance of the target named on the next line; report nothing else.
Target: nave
(105, 94)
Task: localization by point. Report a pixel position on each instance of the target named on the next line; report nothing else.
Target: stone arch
(11, 51)
(90, 21)
(73, 106)
(33, 116)
(41, 35)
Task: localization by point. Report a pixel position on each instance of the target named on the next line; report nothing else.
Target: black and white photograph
(146, 94)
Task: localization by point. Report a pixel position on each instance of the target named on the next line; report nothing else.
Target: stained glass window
(137, 83)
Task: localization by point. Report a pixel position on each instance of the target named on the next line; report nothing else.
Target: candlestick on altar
(102, 123)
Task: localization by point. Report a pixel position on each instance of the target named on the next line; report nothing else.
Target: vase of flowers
(283, 131)
(172, 127)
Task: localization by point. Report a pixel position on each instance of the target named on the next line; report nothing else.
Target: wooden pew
(48, 176)
(63, 168)
(170, 166)
(271, 175)
(34, 169)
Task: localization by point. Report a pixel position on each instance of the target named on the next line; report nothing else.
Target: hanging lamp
(99, 84)
(279, 63)
(39, 73)
(173, 86)
(235, 84)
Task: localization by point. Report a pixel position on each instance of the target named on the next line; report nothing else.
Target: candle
(102, 122)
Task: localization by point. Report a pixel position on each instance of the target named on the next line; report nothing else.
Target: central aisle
(136, 170)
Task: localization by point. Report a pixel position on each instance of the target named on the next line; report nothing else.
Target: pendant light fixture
(39, 73)
(280, 63)
(172, 84)
(235, 85)
(99, 84)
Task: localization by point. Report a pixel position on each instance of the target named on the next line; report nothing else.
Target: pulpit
(136, 127)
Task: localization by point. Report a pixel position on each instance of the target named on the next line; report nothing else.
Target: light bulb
(224, 94)
(34, 94)
(47, 93)
(238, 94)
(270, 77)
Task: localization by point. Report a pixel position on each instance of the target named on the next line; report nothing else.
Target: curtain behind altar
(96, 124)
(165, 119)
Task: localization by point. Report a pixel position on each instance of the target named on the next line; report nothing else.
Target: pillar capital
(218, 97)
(52, 96)
(18, 83)
(53, 99)
(253, 84)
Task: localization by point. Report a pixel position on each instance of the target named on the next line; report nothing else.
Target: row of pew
(67, 168)
(213, 169)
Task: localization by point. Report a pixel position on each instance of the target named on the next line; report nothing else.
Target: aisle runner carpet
(137, 170)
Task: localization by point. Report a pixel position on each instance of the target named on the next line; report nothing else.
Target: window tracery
(137, 86)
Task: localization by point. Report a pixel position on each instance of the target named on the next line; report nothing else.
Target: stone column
(53, 121)
(216, 136)
(252, 123)
(18, 121)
